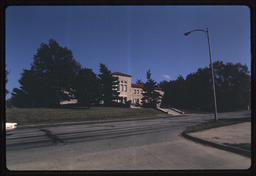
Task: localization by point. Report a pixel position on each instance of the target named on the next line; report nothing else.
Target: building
(129, 91)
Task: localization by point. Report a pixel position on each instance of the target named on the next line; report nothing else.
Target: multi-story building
(129, 91)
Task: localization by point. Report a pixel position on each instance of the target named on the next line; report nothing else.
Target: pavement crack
(55, 139)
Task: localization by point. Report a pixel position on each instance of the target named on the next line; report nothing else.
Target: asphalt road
(129, 145)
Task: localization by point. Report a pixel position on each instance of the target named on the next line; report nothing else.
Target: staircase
(135, 107)
(171, 111)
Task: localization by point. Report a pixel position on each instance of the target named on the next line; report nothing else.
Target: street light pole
(213, 80)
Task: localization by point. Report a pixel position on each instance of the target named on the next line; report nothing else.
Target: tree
(232, 89)
(150, 96)
(163, 85)
(232, 86)
(86, 87)
(27, 95)
(139, 81)
(175, 93)
(9, 103)
(51, 74)
(199, 90)
(108, 86)
(6, 80)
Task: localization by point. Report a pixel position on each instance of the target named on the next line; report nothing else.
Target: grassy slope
(31, 116)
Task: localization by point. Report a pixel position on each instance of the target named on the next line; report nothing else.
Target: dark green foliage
(139, 81)
(108, 86)
(196, 92)
(150, 96)
(27, 95)
(163, 85)
(52, 72)
(6, 80)
(86, 87)
(8, 103)
(232, 85)
(199, 90)
(175, 93)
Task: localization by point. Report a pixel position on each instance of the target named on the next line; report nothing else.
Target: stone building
(129, 91)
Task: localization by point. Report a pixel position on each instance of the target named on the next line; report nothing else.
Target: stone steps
(171, 111)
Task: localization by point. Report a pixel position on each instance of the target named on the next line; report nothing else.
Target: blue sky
(129, 39)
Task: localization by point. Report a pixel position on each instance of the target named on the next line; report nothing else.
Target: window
(125, 82)
(122, 88)
(141, 91)
(125, 88)
(134, 91)
(121, 81)
(138, 92)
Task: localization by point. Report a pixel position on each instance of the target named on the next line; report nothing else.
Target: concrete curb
(236, 150)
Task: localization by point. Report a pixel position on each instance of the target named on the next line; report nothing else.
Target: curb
(218, 145)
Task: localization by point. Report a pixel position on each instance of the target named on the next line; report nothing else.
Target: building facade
(127, 91)
(131, 92)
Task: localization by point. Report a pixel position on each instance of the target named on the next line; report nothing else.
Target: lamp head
(187, 33)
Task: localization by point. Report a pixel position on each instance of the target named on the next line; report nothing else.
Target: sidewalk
(234, 138)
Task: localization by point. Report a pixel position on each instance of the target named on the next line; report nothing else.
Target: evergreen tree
(86, 87)
(175, 93)
(108, 86)
(27, 95)
(139, 81)
(51, 74)
(163, 85)
(150, 96)
(200, 92)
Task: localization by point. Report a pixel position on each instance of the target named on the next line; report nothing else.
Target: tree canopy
(108, 86)
(139, 81)
(86, 87)
(55, 76)
(195, 92)
(51, 74)
(150, 96)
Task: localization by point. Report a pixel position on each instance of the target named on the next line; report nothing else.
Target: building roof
(137, 85)
(121, 74)
(158, 88)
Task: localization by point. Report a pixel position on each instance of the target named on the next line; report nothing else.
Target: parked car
(10, 126)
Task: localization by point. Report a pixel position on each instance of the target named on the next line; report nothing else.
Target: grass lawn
(40, 116)
(213, 124)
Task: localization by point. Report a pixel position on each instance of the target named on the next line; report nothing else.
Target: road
(153, 144)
